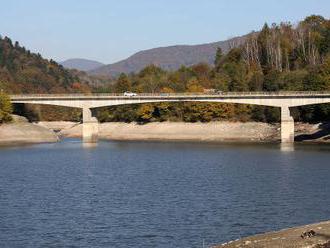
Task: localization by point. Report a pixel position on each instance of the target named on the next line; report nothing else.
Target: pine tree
(218, 57)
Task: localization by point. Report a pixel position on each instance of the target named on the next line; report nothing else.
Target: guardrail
(186, 94)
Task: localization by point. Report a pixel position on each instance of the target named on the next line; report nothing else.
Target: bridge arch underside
(271, 102)
(19, 107)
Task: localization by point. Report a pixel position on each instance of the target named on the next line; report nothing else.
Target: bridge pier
(287, 125)
(90, 126)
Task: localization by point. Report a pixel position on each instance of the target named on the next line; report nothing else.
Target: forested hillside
(279, 57)
(24, 72)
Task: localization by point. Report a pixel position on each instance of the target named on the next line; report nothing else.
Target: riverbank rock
(20, 131)
(319, 132)
(287, 238)
(58, 126)
(19, 119)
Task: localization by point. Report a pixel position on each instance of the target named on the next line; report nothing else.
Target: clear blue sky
(111, 30)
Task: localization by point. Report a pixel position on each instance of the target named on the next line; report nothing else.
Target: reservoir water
(148, 194)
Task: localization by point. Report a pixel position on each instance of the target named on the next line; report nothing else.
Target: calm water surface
(135, 194)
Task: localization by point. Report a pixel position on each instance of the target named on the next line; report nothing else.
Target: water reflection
(89, 145)
(287, 147)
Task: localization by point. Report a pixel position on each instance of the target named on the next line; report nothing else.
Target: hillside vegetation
(280, 57)
(24, 72)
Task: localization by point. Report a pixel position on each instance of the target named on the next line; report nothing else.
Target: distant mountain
(81, 64)
(169, 58)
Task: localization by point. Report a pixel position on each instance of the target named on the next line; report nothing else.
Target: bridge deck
(289, 94)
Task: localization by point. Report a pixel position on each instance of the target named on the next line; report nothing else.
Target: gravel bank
(23, 132)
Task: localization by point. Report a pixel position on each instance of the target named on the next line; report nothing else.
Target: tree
(218, 57)
(258, 113)
(162, 111)
(256, 81)
(220, 81)
(202, 73)
(318, 77)
(272, 81)
(294, 80)
(194, 86)
(152, 78)
(145, 113)
(236, 70)
(123, 83)
(5, 108)
(167, 90)
(325, 72)
(315, 22)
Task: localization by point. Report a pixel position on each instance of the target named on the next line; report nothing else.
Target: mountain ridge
(81, 64)
(169, 57)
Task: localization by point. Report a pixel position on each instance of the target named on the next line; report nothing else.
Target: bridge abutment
(90, 126)
(287, 125)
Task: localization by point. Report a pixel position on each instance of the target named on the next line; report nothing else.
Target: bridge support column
(90, 126)
(287, 125)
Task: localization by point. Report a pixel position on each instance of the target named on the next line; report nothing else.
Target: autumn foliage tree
(123, 83)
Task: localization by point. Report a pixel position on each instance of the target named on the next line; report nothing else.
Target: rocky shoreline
(200, 132)
(21, 131)
(287, 238)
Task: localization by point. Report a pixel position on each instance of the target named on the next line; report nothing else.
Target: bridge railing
(251, 93)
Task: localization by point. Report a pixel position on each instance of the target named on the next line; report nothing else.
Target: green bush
(5, 108)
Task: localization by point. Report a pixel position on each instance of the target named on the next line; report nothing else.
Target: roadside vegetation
(280, 57)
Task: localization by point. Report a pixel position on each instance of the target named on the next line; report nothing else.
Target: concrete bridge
(283, 100)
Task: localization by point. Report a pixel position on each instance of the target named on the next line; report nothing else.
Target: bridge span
(87, 102)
